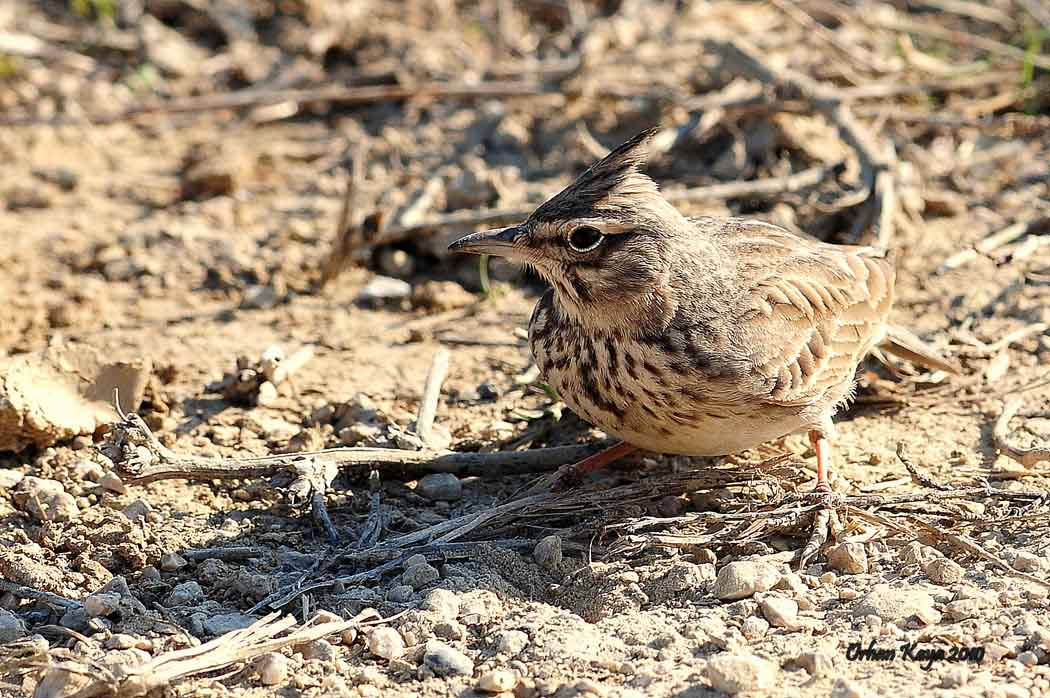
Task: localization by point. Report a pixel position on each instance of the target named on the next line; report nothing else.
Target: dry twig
(1028, 457)
(431, 394)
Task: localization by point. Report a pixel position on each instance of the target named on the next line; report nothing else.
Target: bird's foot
(826, 523)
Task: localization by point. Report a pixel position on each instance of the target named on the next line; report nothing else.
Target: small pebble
(446, 661)
(851, 558)
(816, 663)
(548, 552)
(941, 570)
(185, 593)
(101, 604)
(386, 643)
(844, 688)
(754, 628)
(11, 627)
(740, 673)
(419, 576)
(272, 668)
(402, 593)
(417, 559)
(112, 482)
(780, 612)
(442, 602)
(172, 562)
(511, 642)
(744, 578)
(318, 649)
(496, 681)
(120, 641)
(1025, 561)
(440, 487)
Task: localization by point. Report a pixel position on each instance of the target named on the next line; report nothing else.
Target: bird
(696, 336)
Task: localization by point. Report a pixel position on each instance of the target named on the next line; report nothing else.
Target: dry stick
(431, 394)
(160, 463)
(955, 36)
(1039, 10)
(331, 94)
(233, 647)
(47, 597)
(345, 230)
(859, 56)
(970, 546)
(393, 558)
(1028, 457)
(992, 242)
(459, 220)
(827, 100)
(918, 476)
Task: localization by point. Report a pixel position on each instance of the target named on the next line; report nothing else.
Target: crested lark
(695, 336)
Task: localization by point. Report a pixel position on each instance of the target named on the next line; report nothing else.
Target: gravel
(496, 681)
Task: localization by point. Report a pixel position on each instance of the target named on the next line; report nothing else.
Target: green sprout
(100, 10)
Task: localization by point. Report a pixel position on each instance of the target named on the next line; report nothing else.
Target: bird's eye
(585, 238)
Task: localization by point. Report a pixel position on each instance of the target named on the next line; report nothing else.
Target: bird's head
(602, 242)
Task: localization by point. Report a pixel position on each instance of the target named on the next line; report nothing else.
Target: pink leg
(569, 475)
(601, 459)
(823, 450)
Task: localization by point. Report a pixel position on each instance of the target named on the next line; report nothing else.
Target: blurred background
(451, 116)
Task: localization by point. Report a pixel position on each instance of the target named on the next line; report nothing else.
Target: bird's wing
(810, 314)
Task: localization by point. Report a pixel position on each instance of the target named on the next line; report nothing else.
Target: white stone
(744, 578)
(511, 642)
(443, 602)
(897, 605)
(738, 673)
(46, 500)
(496, 681)
(446, 661)
(386, 643)
(272, 668)
(780, 612)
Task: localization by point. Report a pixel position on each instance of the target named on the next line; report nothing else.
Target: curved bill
(505, 242)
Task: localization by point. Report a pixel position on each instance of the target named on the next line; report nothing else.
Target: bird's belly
(679, 425)
(709, 436)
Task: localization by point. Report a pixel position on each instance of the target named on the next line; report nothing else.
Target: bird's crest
(609, 184)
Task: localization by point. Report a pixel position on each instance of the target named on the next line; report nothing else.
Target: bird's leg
(825, 519)
(570, 474)
(822, 447)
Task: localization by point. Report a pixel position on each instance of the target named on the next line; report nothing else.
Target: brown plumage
(697, 336)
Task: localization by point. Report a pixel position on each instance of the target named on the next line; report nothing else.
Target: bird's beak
(506, 242)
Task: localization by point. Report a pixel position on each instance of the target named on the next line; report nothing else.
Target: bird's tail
(902, 343)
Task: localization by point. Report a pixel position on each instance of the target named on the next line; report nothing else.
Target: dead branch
(47, 597)
(1028, 457)
(467, 219)
(335, 94)
(895, 22)
(874, 161)
(265, 635)
(142, 458)
(987, 245)
(965, 543)
(344, 239)
(431, 394)
(1039, 11)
